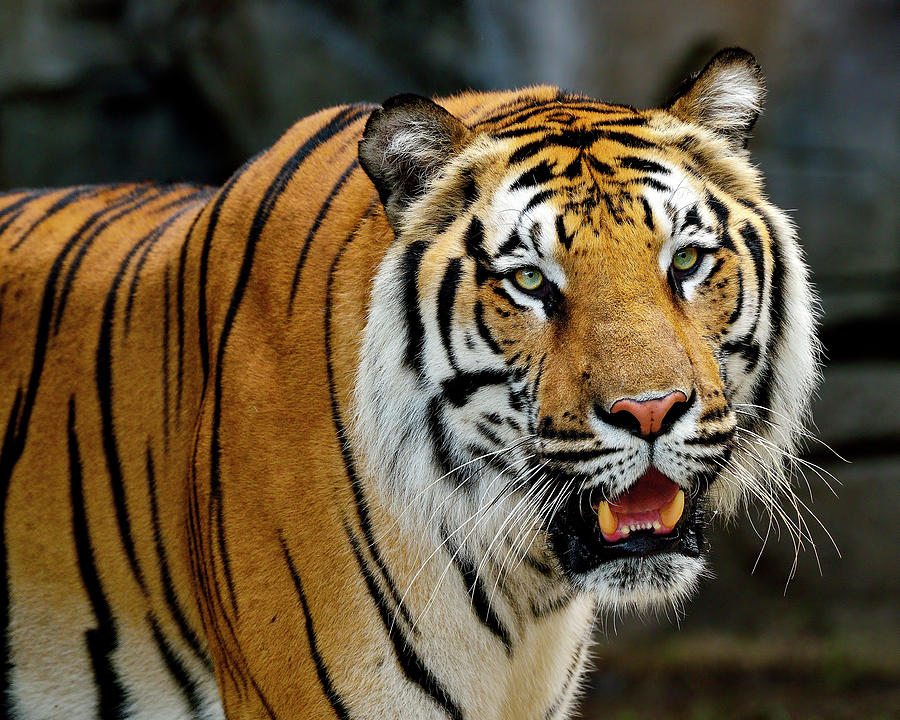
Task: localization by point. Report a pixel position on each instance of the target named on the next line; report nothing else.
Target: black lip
(576, 539)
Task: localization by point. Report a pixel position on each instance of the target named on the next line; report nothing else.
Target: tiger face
(607, 336)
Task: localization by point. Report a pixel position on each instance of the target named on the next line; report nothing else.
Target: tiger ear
(405, 145)
(725, 96)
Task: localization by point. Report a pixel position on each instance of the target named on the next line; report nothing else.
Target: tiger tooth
(608, 520)
(670, 514)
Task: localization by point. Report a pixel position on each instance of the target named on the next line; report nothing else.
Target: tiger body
(235, 419)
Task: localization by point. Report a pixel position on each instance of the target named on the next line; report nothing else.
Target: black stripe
(537, 199)
(754, 246)
(481, 603)
(714, 414)
(180, 675)
(165, 575)
(334, 697)
(415, 330)
(20, 203)
(500, 292)
(565, 240)
(539, 566)
(749, 350)
(56, 207)
(577, 139)
(483, 330)
(513, 242)
(341, 120)
(204, 264)
(739, 302)
(777, 312)
(179, 318)
(149, 242)
(643, 164)
(493, 439)
(598, 167)
(534, 129)
(713, 271)
(651, 183)
(567, 117)
(538, 175)
(469, 188)
(104, 380)
(133, 201)
(518, 107)
(167, 322)
(10, 220)
(439, 438)
(648, 214)
(691, 219)
(8, 456)
(475, 242)
(551, 606)
(17, 209)
(323, 211)
(103, 639)
(710, 439)
(446, 302)
(412, 665)
(577, 455)
(720, 210)
(460, 386)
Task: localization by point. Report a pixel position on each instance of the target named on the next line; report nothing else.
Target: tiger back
(341, 439)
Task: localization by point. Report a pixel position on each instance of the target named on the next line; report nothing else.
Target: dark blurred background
(97, 90)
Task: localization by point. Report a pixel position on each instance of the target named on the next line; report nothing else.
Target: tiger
(378, 428)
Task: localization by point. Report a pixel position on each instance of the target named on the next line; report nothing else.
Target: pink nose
(650, 414)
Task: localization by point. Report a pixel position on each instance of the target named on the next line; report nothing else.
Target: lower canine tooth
(670, 514)
(608, 520)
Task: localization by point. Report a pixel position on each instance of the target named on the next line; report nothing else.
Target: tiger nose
(648, 418)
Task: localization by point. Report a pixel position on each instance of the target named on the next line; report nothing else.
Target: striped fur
(291, 448)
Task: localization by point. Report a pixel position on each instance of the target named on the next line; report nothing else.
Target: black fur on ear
(725, 96)
(405, 144)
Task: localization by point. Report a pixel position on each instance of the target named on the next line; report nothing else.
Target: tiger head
(592, 333)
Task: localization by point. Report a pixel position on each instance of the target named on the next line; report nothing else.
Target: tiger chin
(378, 427)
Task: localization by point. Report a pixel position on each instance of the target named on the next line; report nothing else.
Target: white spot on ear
(726, 96)
(419, 142)
(732, 100)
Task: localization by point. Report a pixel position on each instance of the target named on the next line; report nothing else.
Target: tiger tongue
(653, 503)
(650, 492)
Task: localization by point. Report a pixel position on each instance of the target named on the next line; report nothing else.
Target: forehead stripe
(513, 242)
(578, 140)
(564, 239)
(635, 163)
(538, 175)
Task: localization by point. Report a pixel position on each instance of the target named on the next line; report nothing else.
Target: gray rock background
(97, 90)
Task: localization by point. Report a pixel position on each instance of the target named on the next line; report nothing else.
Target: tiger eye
(529, 279)
(685, 259)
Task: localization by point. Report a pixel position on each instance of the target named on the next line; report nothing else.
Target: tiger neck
(484, 632)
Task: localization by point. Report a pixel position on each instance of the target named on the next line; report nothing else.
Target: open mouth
(653, 516)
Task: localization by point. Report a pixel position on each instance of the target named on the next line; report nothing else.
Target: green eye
(685, 259)
(529, 279)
